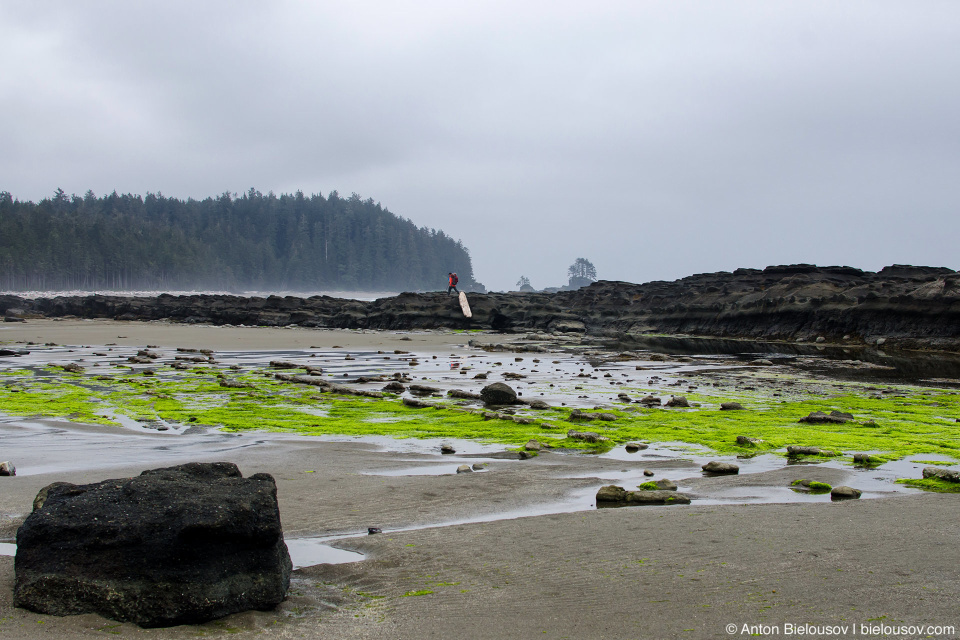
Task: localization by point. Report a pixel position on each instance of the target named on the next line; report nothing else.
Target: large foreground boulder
(177, 545)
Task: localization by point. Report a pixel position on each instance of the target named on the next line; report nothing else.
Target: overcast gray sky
(656, 139)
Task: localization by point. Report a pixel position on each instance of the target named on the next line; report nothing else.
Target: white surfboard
(465, 305)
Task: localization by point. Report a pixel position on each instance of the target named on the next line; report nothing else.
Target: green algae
(888, 427)
(931, 484)
(813, 486)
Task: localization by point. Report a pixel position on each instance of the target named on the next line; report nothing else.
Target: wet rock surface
(721, 468)
(612, 495)
(172, 546)
(900, 306)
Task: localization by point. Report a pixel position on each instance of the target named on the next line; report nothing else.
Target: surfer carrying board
(453, 283)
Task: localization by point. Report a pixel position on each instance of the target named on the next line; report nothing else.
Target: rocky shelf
(901, 306)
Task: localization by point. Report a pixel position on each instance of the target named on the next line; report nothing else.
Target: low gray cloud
(657, 139)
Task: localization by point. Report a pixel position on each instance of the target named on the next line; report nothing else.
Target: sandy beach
(516, 550)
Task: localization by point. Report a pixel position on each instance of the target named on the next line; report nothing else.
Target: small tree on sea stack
(523, 284)
(581, 272)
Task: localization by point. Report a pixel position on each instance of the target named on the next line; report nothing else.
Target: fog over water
(656, 139)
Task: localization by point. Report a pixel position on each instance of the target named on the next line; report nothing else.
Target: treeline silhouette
(256, 241)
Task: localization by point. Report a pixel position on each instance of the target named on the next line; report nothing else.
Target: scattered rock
(747, 441)
(276, 364)
(612, 495)
(659, 485)
(525, 455)
(466, 395)
(648, 473)
(577, 415)
(794, 450)
(447, 449)
(731, 406)
(844, 493)
(423, 390)
(586, 436)
(633, 447)
(533, 445)
(942, 474)
(7, 469)
(834, 417)
(650, 401)
(234, 384)
(498, 393)
(180, 545)
(720, 468)
(864, 459)
(394, 387)
(464, 468)
(477, 466)
(417, 404)
(539, 405)
(678, 401)
(374, 530)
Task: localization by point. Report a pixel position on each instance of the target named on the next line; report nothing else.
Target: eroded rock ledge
(903, 306)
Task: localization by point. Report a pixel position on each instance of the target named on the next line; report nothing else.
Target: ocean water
(348, 295)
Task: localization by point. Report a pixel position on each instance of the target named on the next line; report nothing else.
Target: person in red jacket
(453, 282)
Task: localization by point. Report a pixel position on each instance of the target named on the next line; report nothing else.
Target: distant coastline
(344, 295)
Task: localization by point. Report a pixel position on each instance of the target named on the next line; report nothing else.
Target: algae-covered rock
(747, 441)
(659, 485)
(586, 436)
(731, 406)
(942, 474)
(811, 486)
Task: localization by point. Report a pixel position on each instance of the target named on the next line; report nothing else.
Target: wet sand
(641, 572)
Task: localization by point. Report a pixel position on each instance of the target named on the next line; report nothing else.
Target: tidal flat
(77, 408)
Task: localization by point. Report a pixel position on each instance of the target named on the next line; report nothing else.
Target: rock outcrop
(172, 546)
(898, 306)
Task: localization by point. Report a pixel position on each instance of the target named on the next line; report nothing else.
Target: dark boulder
(179, 545)
(498, 393)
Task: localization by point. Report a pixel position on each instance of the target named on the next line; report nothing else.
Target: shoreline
(665, 572)
(899, 307)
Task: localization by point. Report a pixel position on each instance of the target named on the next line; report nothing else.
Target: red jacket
(453, 280)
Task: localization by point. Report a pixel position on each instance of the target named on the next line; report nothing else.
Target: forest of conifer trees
(252, 242)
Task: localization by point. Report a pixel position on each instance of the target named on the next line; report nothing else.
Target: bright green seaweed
(888, 427)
